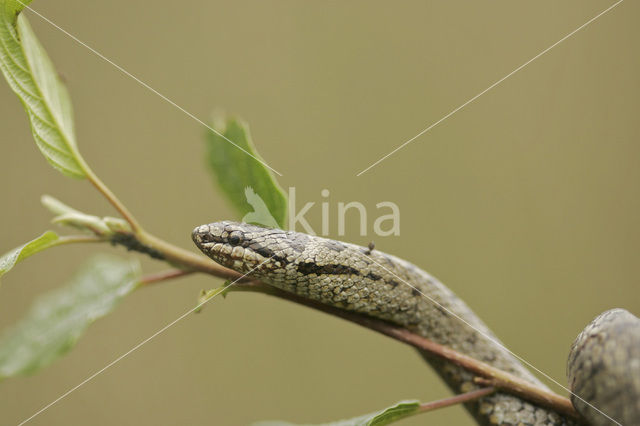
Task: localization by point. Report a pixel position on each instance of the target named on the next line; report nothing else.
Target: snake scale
(383, 286)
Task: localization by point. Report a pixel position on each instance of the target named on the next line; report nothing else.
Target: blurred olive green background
(525, 203)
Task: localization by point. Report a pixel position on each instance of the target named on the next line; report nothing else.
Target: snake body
(604, 369)
(383, 286)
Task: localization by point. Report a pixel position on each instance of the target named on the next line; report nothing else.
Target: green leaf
(206, 295)
(57, 319)
(387, 416)
(44, 241)
(31, 75)
(242, 175)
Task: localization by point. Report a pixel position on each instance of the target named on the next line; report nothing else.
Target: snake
(370, 282)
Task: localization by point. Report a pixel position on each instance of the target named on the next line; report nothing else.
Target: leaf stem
(73, 239)
(113, 200)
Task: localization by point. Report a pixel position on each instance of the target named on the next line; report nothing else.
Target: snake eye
(234, 238)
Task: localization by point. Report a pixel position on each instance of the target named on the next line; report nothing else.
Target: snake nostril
(206, 237)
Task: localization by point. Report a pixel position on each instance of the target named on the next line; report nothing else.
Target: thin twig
(492, 375)
(489, 375)
(187, 259)
(458, 399)
(113, 200)
(164, 276)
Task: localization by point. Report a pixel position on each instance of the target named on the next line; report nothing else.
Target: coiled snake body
(370, 282)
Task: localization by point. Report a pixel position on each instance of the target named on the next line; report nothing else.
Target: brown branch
(164, 276)
(186, 258)
(490, 375)
(454, 400)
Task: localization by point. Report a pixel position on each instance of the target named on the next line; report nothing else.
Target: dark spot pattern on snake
(380, 285)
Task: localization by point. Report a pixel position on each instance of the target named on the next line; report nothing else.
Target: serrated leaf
(387, 416)
(31, 75)
(243, 176)
(44, 241)
(57, 319)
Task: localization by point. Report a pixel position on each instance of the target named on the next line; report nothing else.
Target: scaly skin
(604, 369)
(354, 278)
